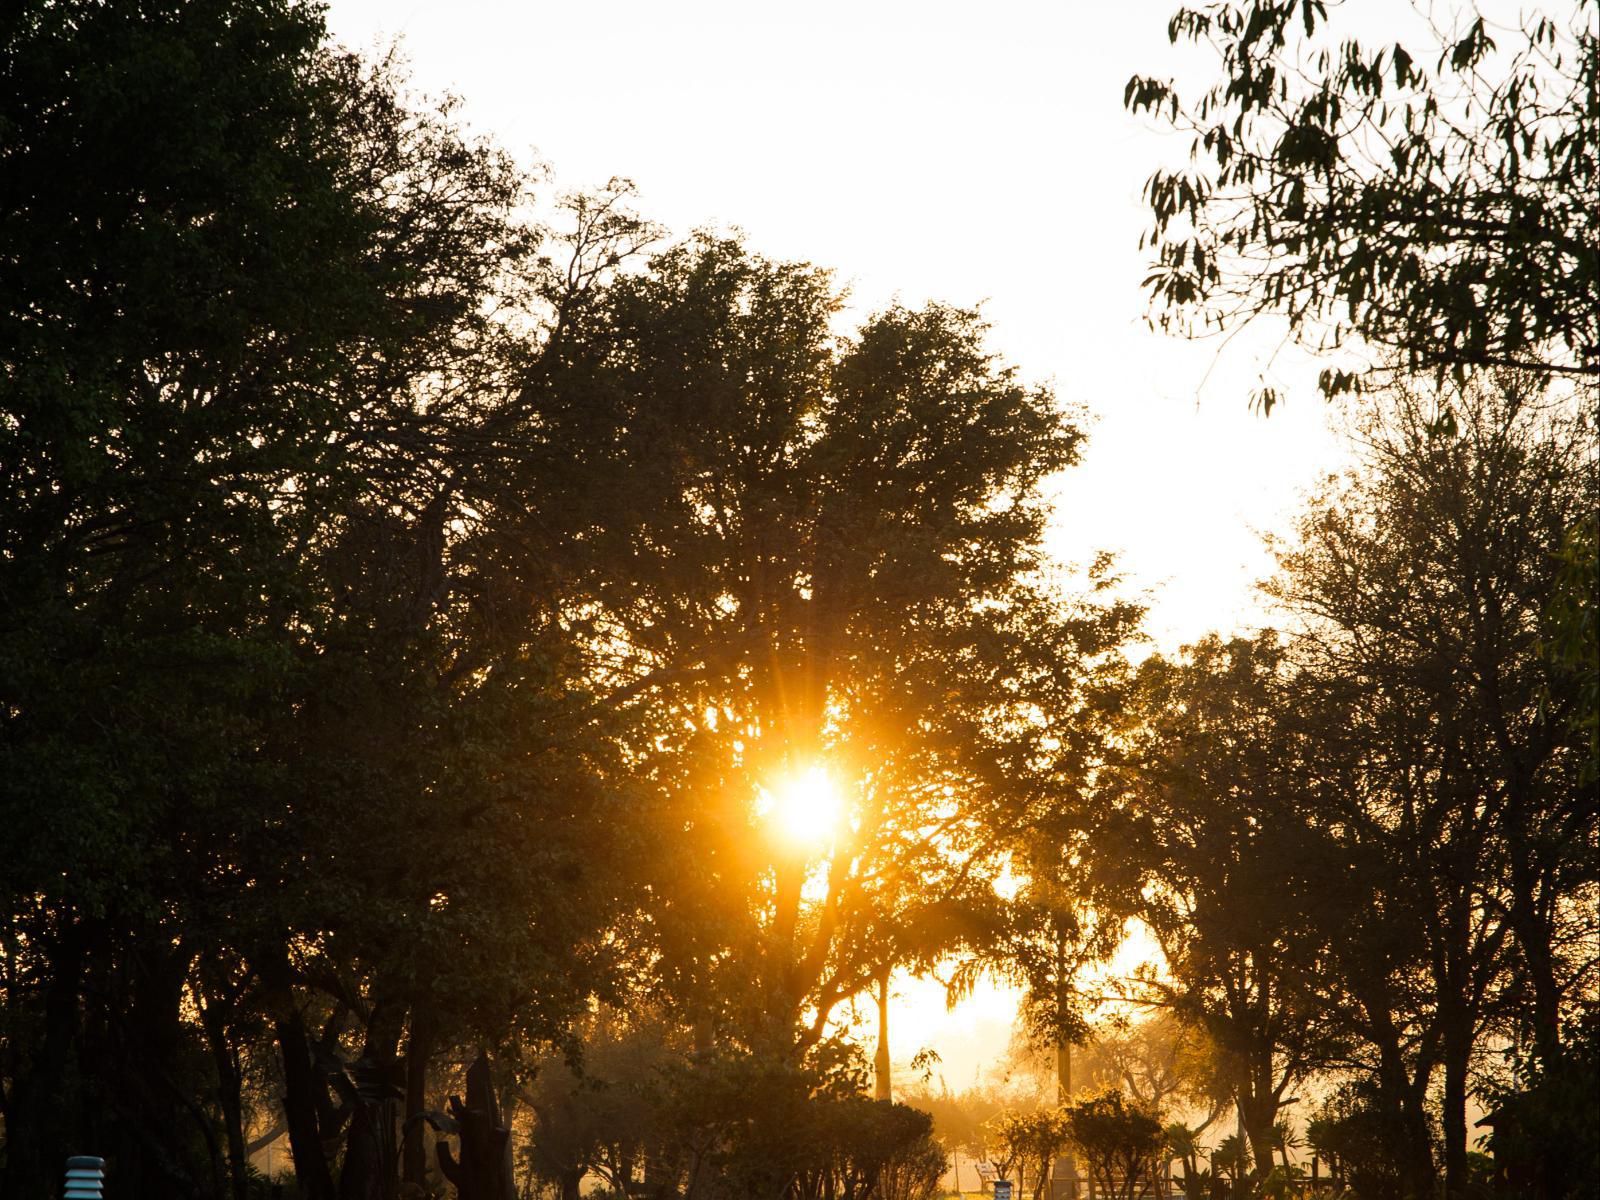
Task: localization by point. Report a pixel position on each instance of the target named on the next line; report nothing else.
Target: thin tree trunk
(1531, 932)
(1453, 1116)
(1069, 1164)
(419, 1046)
(229, 1096)
(882, 1085)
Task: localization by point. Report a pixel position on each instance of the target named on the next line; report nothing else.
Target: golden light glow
(805, 807)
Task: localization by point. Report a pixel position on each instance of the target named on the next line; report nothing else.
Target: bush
(914, 1172)
(1364, 1146)
(1545, 1139)
(1121, 1142)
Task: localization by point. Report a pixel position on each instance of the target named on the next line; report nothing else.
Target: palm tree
(1184, 1143)
(1232, 1158)
(1284, 1140)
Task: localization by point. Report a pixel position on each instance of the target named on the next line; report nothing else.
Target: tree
(962, 1121)
(722, 1123)
(1053, 931)
(1157, 1062)
(604, 1113)
(1233, 1158)
(1362, 1144)
(1409, 960)
(831, 554)
(914, 1174)
(1183, 1143)
(1031, 1140)
(1425, 580)
(1209, 838)
(1121, 1143)
(1433, 198)
(1543, 1134)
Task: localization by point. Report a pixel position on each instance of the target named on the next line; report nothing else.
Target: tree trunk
(882, 1085)
(1421, 1174)
(41, 1113)
(484, 1169)
(155, 1111)
(418, 1048)
(1258, 1113)
(300, 1105)
(1532, 933)
(1402, 1096)
(370, 1154)
(229, 1094)
(1069, 1164)
(1453, 1114)
(785, 1004)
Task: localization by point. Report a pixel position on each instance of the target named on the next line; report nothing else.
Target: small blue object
(1002, 1189)
(85, 1175)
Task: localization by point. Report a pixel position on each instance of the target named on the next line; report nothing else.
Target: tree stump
(483, 1171)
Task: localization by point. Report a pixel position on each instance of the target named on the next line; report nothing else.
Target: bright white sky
(925, 149)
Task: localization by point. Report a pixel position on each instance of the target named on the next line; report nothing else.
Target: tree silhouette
(1432, 198)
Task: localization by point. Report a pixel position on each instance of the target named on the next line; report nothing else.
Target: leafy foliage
(1030, 1141)
(1215, 832)
(411, 603)
(1362, 1143)
(826, 559)
(1434, 198)
(1121, 1142)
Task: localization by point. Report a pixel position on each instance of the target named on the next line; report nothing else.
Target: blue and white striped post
(85, 1175)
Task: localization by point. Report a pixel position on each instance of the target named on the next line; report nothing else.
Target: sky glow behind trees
(926, 151)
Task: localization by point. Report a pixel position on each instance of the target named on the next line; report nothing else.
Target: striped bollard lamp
(85, 1175)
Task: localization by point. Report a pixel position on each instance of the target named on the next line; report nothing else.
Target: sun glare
(805, 806)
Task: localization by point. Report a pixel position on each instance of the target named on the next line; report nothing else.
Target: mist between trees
(481, 692)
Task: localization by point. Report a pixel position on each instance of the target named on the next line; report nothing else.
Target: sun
(804, 806)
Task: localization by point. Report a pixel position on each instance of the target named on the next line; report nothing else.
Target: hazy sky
(924, 150)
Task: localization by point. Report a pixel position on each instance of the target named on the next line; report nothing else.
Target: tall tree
(188, 266)
(831, 548)
(1211, 846)
(262, 716)
(1426, 579)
